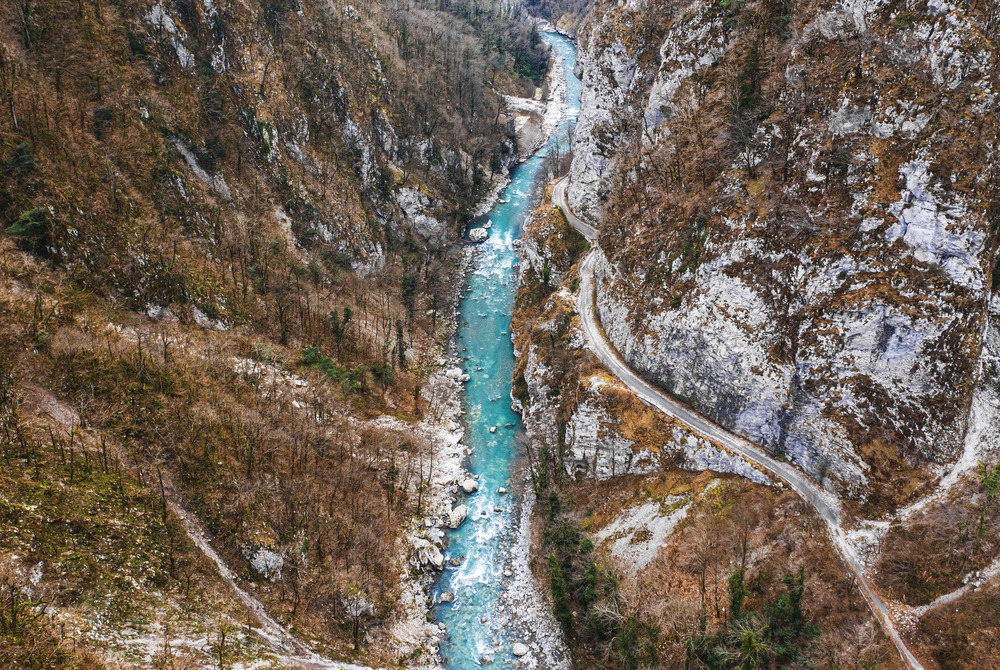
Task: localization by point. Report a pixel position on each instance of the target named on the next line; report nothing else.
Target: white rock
(429, 555)
(478, 235)
(519, 649)
(414, 203)
(470, 486)
(268, 564)
(501, 490)
(457, 516)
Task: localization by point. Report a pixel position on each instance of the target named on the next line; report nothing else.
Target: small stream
(490, 613)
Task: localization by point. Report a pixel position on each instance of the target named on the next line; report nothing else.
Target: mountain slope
(228, 258)
(805, 218)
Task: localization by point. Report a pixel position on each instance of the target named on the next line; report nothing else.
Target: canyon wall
(799, 212)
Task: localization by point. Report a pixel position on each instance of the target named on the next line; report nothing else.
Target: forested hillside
(226, 253)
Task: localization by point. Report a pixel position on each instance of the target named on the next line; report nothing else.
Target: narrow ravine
(495, 610)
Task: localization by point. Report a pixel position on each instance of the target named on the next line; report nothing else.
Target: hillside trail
(289, 650)
(824, 502)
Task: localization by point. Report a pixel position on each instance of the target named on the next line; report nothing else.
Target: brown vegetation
(962, 635)
(204, 269)
(731, 523)
(932, 553)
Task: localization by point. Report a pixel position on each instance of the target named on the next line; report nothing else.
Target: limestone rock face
(813, 272)
(415, 205)
(602, 429)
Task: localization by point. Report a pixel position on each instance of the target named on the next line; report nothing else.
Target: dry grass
(265, 460)
(283, 108)
(930, 554)
(963, 635)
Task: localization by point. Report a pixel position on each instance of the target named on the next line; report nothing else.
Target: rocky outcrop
(458, 516)
(416, 205)
(804, 255)
(598, 426)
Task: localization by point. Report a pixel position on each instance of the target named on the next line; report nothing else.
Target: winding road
(825, 504)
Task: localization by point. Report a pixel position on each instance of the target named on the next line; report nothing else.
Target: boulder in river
(519, 649)
(478, 235)
(457, 516)
(429, 555)
(447, 597)
(470, 486)
(456, 374)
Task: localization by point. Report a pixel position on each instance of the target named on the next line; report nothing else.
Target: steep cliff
(641, 524)
(590, 424)
(799, 207)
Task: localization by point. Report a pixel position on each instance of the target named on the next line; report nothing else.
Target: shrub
(33, 229)
(20, 162)
(559, 598)
(103, 118)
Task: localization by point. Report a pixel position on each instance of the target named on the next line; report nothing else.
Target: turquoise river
(484, 621)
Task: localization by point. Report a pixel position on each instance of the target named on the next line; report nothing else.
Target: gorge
(495, 604)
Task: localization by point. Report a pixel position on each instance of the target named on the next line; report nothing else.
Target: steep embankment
(800, 220)
(798, 232)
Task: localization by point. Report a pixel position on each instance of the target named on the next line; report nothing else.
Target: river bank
(444, 426)
(487, 598)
